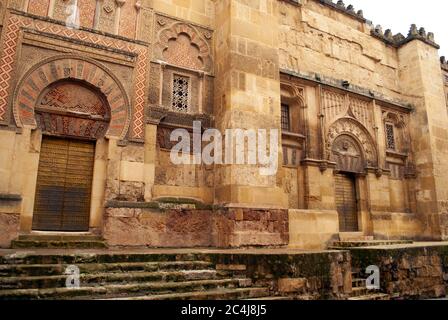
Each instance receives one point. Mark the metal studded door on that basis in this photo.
(346, 203)
(64, 184)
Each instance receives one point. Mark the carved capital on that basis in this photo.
(120, 3)
(138, 5)
(379, 172)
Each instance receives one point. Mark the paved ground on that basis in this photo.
(161, 251)
(410, 245)
(263, 251)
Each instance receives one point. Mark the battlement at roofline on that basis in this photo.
(387, 36)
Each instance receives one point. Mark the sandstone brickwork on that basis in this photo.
(350, 99)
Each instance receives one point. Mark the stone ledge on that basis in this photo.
(338, 84)
(10, 197)
(163, 204)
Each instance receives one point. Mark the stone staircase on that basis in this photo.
(122, 277)
(360, 291)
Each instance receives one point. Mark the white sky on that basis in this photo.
(398, 15)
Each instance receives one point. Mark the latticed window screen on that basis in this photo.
(286, 124)
(390, 136)
(180, 93)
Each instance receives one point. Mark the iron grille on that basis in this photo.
(181, 93)
(390, 136)
(286, 124)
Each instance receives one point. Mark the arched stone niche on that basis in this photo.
(50, 80)
(292, 96)
(350, 146)
(183, 45)
(347, 154)
(399, 122)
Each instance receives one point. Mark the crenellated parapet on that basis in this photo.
(444, 63)
(395, 40)
(398, 39)
(341, 7)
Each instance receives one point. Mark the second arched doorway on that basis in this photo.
(72, 116)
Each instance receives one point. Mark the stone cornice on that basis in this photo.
(349, 88)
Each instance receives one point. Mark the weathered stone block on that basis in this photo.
(292, 285)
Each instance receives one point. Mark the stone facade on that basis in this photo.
(352, 100)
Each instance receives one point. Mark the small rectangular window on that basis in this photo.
(390, 136)
(286, 124)
(181, 87)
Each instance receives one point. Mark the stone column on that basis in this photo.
(421, 81)
(150, 160)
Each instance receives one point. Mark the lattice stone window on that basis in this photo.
(286, 122)
(181, 93)
(390, 136)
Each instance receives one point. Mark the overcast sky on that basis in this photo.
(398, 15)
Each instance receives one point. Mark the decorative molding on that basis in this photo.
(157, 115)
(10, 197)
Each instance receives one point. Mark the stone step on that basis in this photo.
(371, 297)
(59, 237)
(222, 294)
(121, 290)
(97, 258)
(98, 279)
(364, 243)
(56, 244)
(88, 268)
(357, 292)
(354, 236)
(274, 298)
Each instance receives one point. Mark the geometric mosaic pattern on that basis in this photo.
(10, 49)
(138, 132)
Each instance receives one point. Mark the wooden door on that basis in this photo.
(346, 202)
(64, 185)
